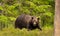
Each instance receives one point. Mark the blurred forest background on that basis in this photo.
(11, 9)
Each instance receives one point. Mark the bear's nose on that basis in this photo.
(34, 23)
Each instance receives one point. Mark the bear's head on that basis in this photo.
(34, 21)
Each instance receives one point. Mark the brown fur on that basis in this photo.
(27, 21)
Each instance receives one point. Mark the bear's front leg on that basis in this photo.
(39, 27)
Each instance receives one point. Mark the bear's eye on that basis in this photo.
(35, 20)
(32, 17)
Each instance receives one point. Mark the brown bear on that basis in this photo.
(27, 21)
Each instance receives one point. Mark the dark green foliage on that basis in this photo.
(11, 9)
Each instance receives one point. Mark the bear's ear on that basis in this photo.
(38, 18)
(32, 17)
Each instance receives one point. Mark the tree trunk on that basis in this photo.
(57, 18)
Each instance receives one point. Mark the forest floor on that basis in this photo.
(46, 31)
